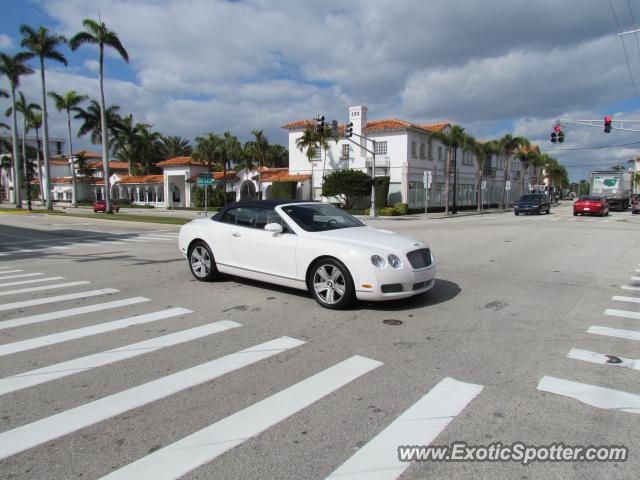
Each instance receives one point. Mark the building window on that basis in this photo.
(345, 151)
(439, 153)
(430, 149)
(413, 150)
(381, 148)
(58, 148)
(422, 150)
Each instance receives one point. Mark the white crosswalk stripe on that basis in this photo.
(44, 287)
(22, 275)
(593, 395)
(614, 332)
(45, 317)
(50, 428)
(419, 425)
(201, 447)
(26, 282)
(626, 299)
(11, 271)
(612, 312)
(593, 357)
(60, 298)
(38, 342)
(64, 369)
(635, 288)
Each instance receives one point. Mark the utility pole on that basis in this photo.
(348, 133)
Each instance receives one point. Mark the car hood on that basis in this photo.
(527, 204)
(383, 240)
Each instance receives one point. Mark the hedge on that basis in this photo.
(283, 190)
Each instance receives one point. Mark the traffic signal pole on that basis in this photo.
(372, 210)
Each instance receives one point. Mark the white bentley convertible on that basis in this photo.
(310, 246)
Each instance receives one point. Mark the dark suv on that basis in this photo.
(533, 203)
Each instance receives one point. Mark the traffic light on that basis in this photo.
(319, 123)
(554, 137)
(334, 128)
(607, 124)
(348, 129)
(560, 136)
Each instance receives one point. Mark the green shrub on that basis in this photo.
(387, 212)
(382, 191)
(401, 208)
(283, 190)
(346, 186)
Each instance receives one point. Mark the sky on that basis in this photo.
(491, 66)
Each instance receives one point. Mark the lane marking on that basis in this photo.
(25, 282)
(190, 452)
(44, 287)
(45, 317)
(63, 423)
(134, 240)
(593, 395)
(60, 298)
(12, 271)
(22, 275)
(82, 364)
(622, 313)
(54, 338)
(614, 332)
(599, 358)
(419, 425)
(630, 287)
(626, 299)
(156, 238)
(635, 278)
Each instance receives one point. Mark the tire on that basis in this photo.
(95, 211)
(575, 214)
(201, 262)
(516, 213)
(548, 211)
(327, 274)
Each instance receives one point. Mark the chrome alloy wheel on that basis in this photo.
(200, 261)
(329, 284)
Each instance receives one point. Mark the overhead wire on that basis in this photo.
(626, 56)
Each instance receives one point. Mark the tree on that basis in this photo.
(278, 156)
(70, 102)
(482, 151)
(175, 146)
(508, 144)
(324, 136)
(14, 67)
(346, 185)
(208, 149)
(259, 148)
(35, 122)
(150, 145)
(97, 33)
(453, 139)
(527, 158)
(231, 150)
(44, 45)
(618, 168)
(92, 123)
(126, 141)
(308, 143)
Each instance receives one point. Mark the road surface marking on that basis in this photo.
(593, 357)
(622, 313)
(164, 239)
(626, 299)
(593, 395)
(12, 271)
(45, 341)
(187, 454)
(82, 364)
(25, 282)
(45, 317)
(631, 287)
(635, 278)
(614, 332)
(55, 426)
(60, 298)
(419, 425)
(20, 250)
(44, 287)
(134, 240)
(22, 275)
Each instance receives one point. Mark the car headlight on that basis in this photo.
(394, 261)
(378, 261)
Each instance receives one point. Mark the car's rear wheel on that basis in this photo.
(331, 285)
(575, 214)
(201, 262)
(516, 213)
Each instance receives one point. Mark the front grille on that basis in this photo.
(421, 285)
(391, 288)
(420, 258)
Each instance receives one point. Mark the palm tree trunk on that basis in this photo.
(17, 194)
(25, 165)
(74, 191)
(45, 136)
(224, 179)
(503, 203)
(105, 136)
(38, 161)
(446, 182)
(481, 192)
(478, 187)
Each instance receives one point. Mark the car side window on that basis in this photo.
(230, 216)
(254, 217)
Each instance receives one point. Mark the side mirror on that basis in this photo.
(273, 227)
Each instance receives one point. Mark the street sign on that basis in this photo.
(427, 178)
(205, 179)
(508, 185)
(484, 185)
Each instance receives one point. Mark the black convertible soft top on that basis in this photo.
(256, 203)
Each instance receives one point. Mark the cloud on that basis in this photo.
(92, 65)
(5, 41)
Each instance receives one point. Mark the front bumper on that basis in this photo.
(390, 284)
(527, 209)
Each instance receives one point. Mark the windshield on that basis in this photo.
(530, 198)
(320, 217)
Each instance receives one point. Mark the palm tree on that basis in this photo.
(150, 144)
(231, 151)
(278, 156)
(14, 67)
(482, 152)
(455, 138)
(98, 34)
(527, 158)
(35, 122)
(174, 146)
(508, 144)
(42, 44)
(324, 136)
(25, 109)
(70, 102)
(259, 147)
(92, 123)
(308, 143)
(126, 141)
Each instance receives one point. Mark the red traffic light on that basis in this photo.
(557, 128)
(607, 124)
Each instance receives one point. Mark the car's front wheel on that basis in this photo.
(201, 262)
(331, 285)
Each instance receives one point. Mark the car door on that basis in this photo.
(257, 250)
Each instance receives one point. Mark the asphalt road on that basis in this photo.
(514, 296)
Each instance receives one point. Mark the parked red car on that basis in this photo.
(591, 205)
(101, 206)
